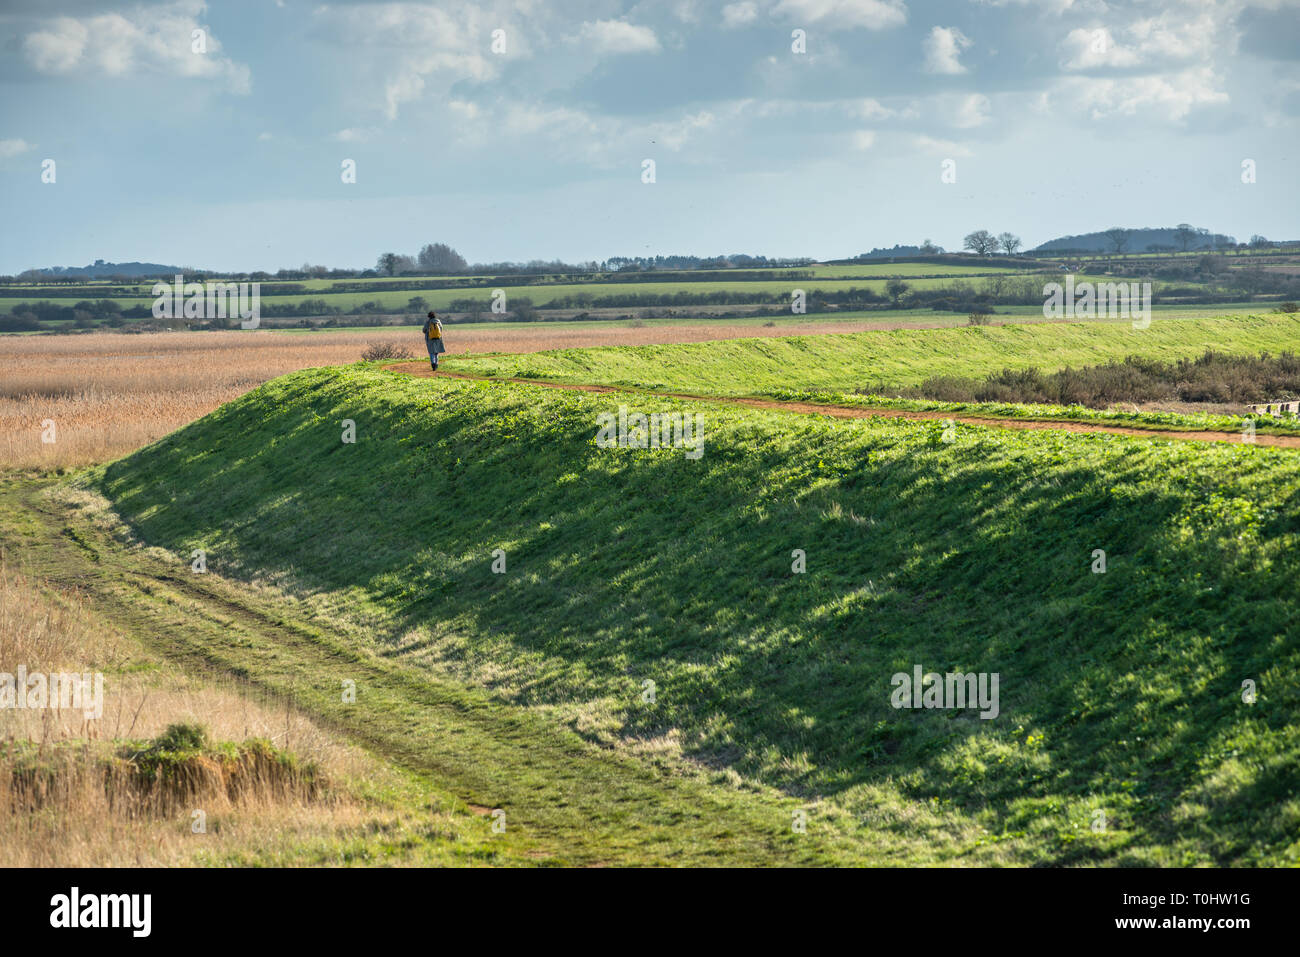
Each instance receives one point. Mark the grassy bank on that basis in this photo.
(900, 357)
(1121, 691)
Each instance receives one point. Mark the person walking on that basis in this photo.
(433, 339)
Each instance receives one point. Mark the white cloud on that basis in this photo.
(466, 109)
(1149, 40)
(739, 14)
(155, 39)
(618, 36)
(1169, 96)
(942, 47)
(1091, 47)
(675, 135)
(57, 49)
(872, 109)
(264, 137)
(10, 148)
(355, 135)
(871, 14)
(1056, 6)
(559, 123)
(972, 110)
(945, 148)
(409, 81)
(864, 139)
(421, 51)
(684, 10)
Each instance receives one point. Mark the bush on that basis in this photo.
(1289, 307)
(1213, 377)
(21, 322)
(978, 317)
(386, 350)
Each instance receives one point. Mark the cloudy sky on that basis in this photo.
(520, 130)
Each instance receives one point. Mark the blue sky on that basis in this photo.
(1061, 116)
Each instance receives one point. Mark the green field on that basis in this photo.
(1121, 692)
(541, 294)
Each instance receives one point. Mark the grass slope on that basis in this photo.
(1120, 692)
(895, 357)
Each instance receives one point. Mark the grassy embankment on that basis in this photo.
(860, 369)
(1120, 692)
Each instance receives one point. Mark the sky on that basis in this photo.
(216, 135)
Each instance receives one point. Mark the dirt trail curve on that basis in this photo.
(860, 412)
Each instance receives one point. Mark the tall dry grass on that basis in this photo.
(86, 816)
(109, 394)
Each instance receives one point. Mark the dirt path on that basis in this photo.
(860, 412)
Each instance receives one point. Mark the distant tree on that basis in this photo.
(981, 242)
(928, 248)
(1184, 235)
(387, 263)
(417, 303)
(440, 257)
(1009, 243)
(896, 288)
(1118, 237)
(1259, 242)
(405, 264)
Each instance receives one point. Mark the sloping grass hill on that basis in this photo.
(1124, 732)
(900, 357)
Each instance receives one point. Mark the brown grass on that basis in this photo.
(92, 810)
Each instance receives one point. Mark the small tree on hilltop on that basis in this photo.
(981, 242)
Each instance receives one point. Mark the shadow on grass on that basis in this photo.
(625, 566)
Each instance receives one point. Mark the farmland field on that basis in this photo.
(664, 292)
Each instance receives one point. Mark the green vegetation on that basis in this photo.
(884, 359)
(1120, 692)
(1210, 378)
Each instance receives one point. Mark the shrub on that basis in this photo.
(386, 350)
(1213, 377)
